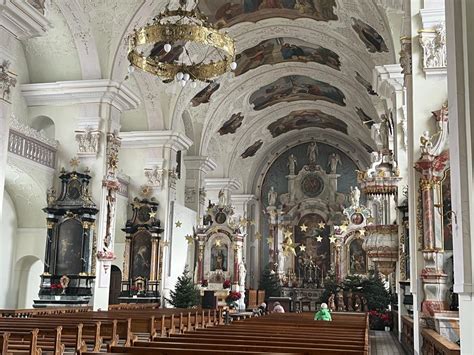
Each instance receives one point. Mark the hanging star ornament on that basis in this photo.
(270, 241)
(243, 222)
(218, 243)
(178, 224)
(343, 228)
(152, 214)
(258, 236)
(288, 234)
(189, 239)
(332, 239)
(321, 225)
(304, 227)
(319, 238)
(289, 246)
(302, 247)
(362, 231)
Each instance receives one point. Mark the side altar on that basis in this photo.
(220, 266)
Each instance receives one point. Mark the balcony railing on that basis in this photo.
(30, 144)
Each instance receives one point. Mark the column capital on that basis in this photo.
(72, 92)
(388, 79)
(155, 139)
(201, 163)
(22, 19)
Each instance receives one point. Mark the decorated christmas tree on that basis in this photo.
(270, 282)
(185, 294)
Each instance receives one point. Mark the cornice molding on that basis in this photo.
(388, 79)
(80, 92)
(22, 19)
(431, 17)
(155, 139)
(242, 199)
(202, 163)
(222, 183)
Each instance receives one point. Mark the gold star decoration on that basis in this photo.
(178, 224)
(189, 239)
(214, 230)
(270, 240)
(370, 220)
(258, 236)
(218, 243)
(319, 238)
(289, 246)
(288, 234)
(136, 204)
(152, 214)
(304, 227)
(362, 231)
(343, 228)
(332, 239)
(243, 222)
(273, 213)
(252, 223)
(165, 243)
(321, 225)
(74, 162)
(302, 247)
(345, 223)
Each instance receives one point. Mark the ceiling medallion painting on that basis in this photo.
(252, 150)
(279, 50)
(364, 118)
(371, 38)
(203, 96)
(295, 88)
(302, 119)
(365, 83)
(367, 147)
(227, 13)
(231, 125)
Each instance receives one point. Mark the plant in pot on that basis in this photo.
(226, 284)
(232, 299)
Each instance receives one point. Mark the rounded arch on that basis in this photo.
(27, 275)
(45, 125)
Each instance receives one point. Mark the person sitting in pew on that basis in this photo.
(323, 313)
(278, 308)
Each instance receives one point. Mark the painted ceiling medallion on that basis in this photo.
(280, 50)
(302, 119)
(204, 96)
(252, 150)
(367, 34)
(296, 88)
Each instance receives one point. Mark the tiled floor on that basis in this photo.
(384, 343)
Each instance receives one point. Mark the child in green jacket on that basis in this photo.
(323, 313)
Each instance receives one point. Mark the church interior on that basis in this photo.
(175, 172)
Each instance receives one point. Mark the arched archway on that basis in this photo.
(8, 225)
(27, 271)
(115, 285)
(45, 125)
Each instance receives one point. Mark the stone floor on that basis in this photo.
(384, 343)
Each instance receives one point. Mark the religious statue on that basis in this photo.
(220, 260)
(355, 196)
(242, 274)
(341, 307)
(222, 201)
(51, 197)
(332, 303)
(365, 306)
(281, 262)
(312, 153)
(350, 306)
(426, 141)
(292, 164)
(272, 196)
(384, 132)
(334, 161)
(357, 303)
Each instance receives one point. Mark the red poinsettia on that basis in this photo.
(226, 284)
(233, 296)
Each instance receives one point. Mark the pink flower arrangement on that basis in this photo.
(226, 284)
(106, 255)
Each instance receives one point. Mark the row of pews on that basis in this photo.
(125, 330)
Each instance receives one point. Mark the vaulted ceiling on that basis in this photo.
(305, 68)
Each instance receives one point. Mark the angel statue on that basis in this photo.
(222, 201)
(384, 132)
(312, 153)
(334, 161)
(355, 196)
(242, 274)
(272, 197)
(292, 164)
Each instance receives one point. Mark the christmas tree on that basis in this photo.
(185, 294)
(270, 282)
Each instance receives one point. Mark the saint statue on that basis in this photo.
(384, 132)
(281, 262)
(355, 196)
(222, 201)
(334, 161)
(312, 153)
(292, 164)
(332, 303)
(242, 274)
(220, 260)
(272, 197)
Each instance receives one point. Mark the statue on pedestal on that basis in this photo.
(272, 197)
(384, 132)
(313, 153)
(334, 161)
(355, 196)
(281, 262)
(292, 164)
(242, 274)
(222, 201)
(341, 307)
(332, 303)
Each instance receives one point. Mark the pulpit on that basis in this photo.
(69, 262)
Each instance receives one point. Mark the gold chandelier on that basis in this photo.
(181, 44)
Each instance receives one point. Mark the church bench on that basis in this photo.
(157, 351)
(128, 306)
(27, 313)
(29, 347)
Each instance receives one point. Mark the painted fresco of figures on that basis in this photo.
(229, 13)
(231, 125)
(295, 88)
(203, 96)
(302, 119)
(371, 38)
(279, 50)
(252, 150)
(219, 257)
(357, 257)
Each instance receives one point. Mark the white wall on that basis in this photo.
(8, 228)
(27, 273)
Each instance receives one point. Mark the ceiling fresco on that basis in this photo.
(367, 147)
(294, 88)
(302, 119)
(365, 83)
(279, 50)
(227, 13)
(252, 150)
(367, 34)
(204, 96)
(364, 118)
(231, 125)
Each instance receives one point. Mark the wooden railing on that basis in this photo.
(407, 334)
(28, 313)
(31, 149)
(132, 306)
(435, 344)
